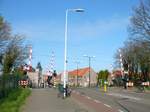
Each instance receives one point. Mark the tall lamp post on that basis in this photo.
(89, 58)
(65, 51)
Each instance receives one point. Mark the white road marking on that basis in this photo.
(88, 97)
(120, 110)
(107, 105)
(97, 101)
(83, 95)
(123, 96)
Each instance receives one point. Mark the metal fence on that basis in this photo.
(7, 84)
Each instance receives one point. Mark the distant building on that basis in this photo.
(55, 80)
(117, 73)
(117, 77)
(82, 77)
(34, 77)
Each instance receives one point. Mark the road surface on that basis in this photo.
(121, 100)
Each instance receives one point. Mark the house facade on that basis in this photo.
(55, 80)
(34, 77)
(80, 77)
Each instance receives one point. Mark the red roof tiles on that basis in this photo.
(117, 72)
(81, 72)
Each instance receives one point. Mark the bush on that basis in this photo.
(14, 100)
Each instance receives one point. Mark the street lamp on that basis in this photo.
(65, 51)
(89, 57)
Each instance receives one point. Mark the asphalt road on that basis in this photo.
(120, 99)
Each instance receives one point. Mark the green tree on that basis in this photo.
(13, 52)
(139, 31)
(136, 50)
(102, 76)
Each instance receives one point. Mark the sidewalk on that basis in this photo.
(46, 100)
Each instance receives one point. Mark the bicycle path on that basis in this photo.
(46, 100)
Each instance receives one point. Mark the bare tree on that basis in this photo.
(13, 51)
(15, 54)
(140, 22)
(4, 35)
(136, 50)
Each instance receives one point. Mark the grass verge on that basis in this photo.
(14, 100)
(148, 88)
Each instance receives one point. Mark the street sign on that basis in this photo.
(23, 82)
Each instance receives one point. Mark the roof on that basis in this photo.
(81, 72)
(117, 72)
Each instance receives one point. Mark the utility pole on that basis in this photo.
(89, 59)
(89, 71)
(77, 62)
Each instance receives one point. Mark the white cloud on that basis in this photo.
(47, 31)
(55, 31)
(100, 28)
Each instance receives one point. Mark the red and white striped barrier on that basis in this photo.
(30, 56)
(146, 83)
(130, 84)
(23, 83)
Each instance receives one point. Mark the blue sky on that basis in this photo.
(99, 31)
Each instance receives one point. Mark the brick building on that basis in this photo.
(80, 77)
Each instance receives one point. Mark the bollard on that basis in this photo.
(54, 82)
(105, 86)
(101, 84)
